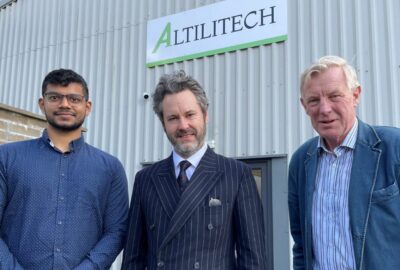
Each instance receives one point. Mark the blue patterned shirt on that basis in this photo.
(332, 239)
(60, 210)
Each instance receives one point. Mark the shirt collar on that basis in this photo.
(73, 145)
(193, 159)
(349, 141)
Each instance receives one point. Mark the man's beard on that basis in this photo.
(188, 149)
(65, 127)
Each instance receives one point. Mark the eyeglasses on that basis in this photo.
(73, 99)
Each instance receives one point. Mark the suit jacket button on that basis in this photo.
(152, 226)
(196, 265)
(160, 264)
(210, 227)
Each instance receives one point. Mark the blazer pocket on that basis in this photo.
(386, 193)
(215, 215)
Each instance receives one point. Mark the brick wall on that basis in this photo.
(18, 125)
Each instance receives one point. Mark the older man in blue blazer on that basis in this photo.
(195, 209)
(344, 198)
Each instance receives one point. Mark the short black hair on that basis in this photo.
(64, 77)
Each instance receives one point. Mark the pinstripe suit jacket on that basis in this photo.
(174, 231)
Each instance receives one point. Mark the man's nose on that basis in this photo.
(183, 123)
(325, 106)
(64, 102)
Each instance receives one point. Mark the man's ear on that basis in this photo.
(303, 103)
(41, 105)
(88, 107)
(356, 96)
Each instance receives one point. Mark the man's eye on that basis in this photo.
(53, 98)
(75, 99)
(312, 101)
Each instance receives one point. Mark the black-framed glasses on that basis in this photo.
(55, 98)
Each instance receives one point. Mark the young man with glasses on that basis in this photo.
(63, 203)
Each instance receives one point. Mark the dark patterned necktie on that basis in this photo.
(182, 177)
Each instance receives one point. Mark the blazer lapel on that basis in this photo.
(362, 181)
(203, 180)
(311, 167)
(166, 186)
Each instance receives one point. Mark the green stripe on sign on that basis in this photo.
(217, 51)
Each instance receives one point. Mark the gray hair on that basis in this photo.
(326, 62)
(174, 83)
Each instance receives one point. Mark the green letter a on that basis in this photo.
(164, 38)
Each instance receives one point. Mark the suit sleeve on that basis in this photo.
(7, 259)
(249, 225)
(136, 245)
(294, 217)
(111, 243)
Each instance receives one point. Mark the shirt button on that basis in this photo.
(160, 264)
(210, 226)
(61, 198)
(196, 265)
(58, 250)
(62, 174)
(59, 222)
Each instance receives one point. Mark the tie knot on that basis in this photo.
(183, 180)
(184, 164)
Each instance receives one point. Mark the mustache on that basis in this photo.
(183, 132)
(64, 111)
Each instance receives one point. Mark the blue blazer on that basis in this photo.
(374, 201)
(219, 211)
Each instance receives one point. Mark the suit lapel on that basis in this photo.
(203, 180)
(362, 181)
(166, 186)
(311, 167)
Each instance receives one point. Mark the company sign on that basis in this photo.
(221, 27)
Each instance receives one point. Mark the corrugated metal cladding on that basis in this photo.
(254, 100)
(254, 108)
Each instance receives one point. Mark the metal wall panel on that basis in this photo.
(254, 96)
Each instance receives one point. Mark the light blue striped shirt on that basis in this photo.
(332, 239)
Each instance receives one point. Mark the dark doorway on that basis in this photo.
(270, 173)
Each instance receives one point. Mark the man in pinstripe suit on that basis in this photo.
(205, 214)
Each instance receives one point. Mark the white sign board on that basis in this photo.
(221, 27)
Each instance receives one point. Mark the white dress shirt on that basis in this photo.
(193, 159)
